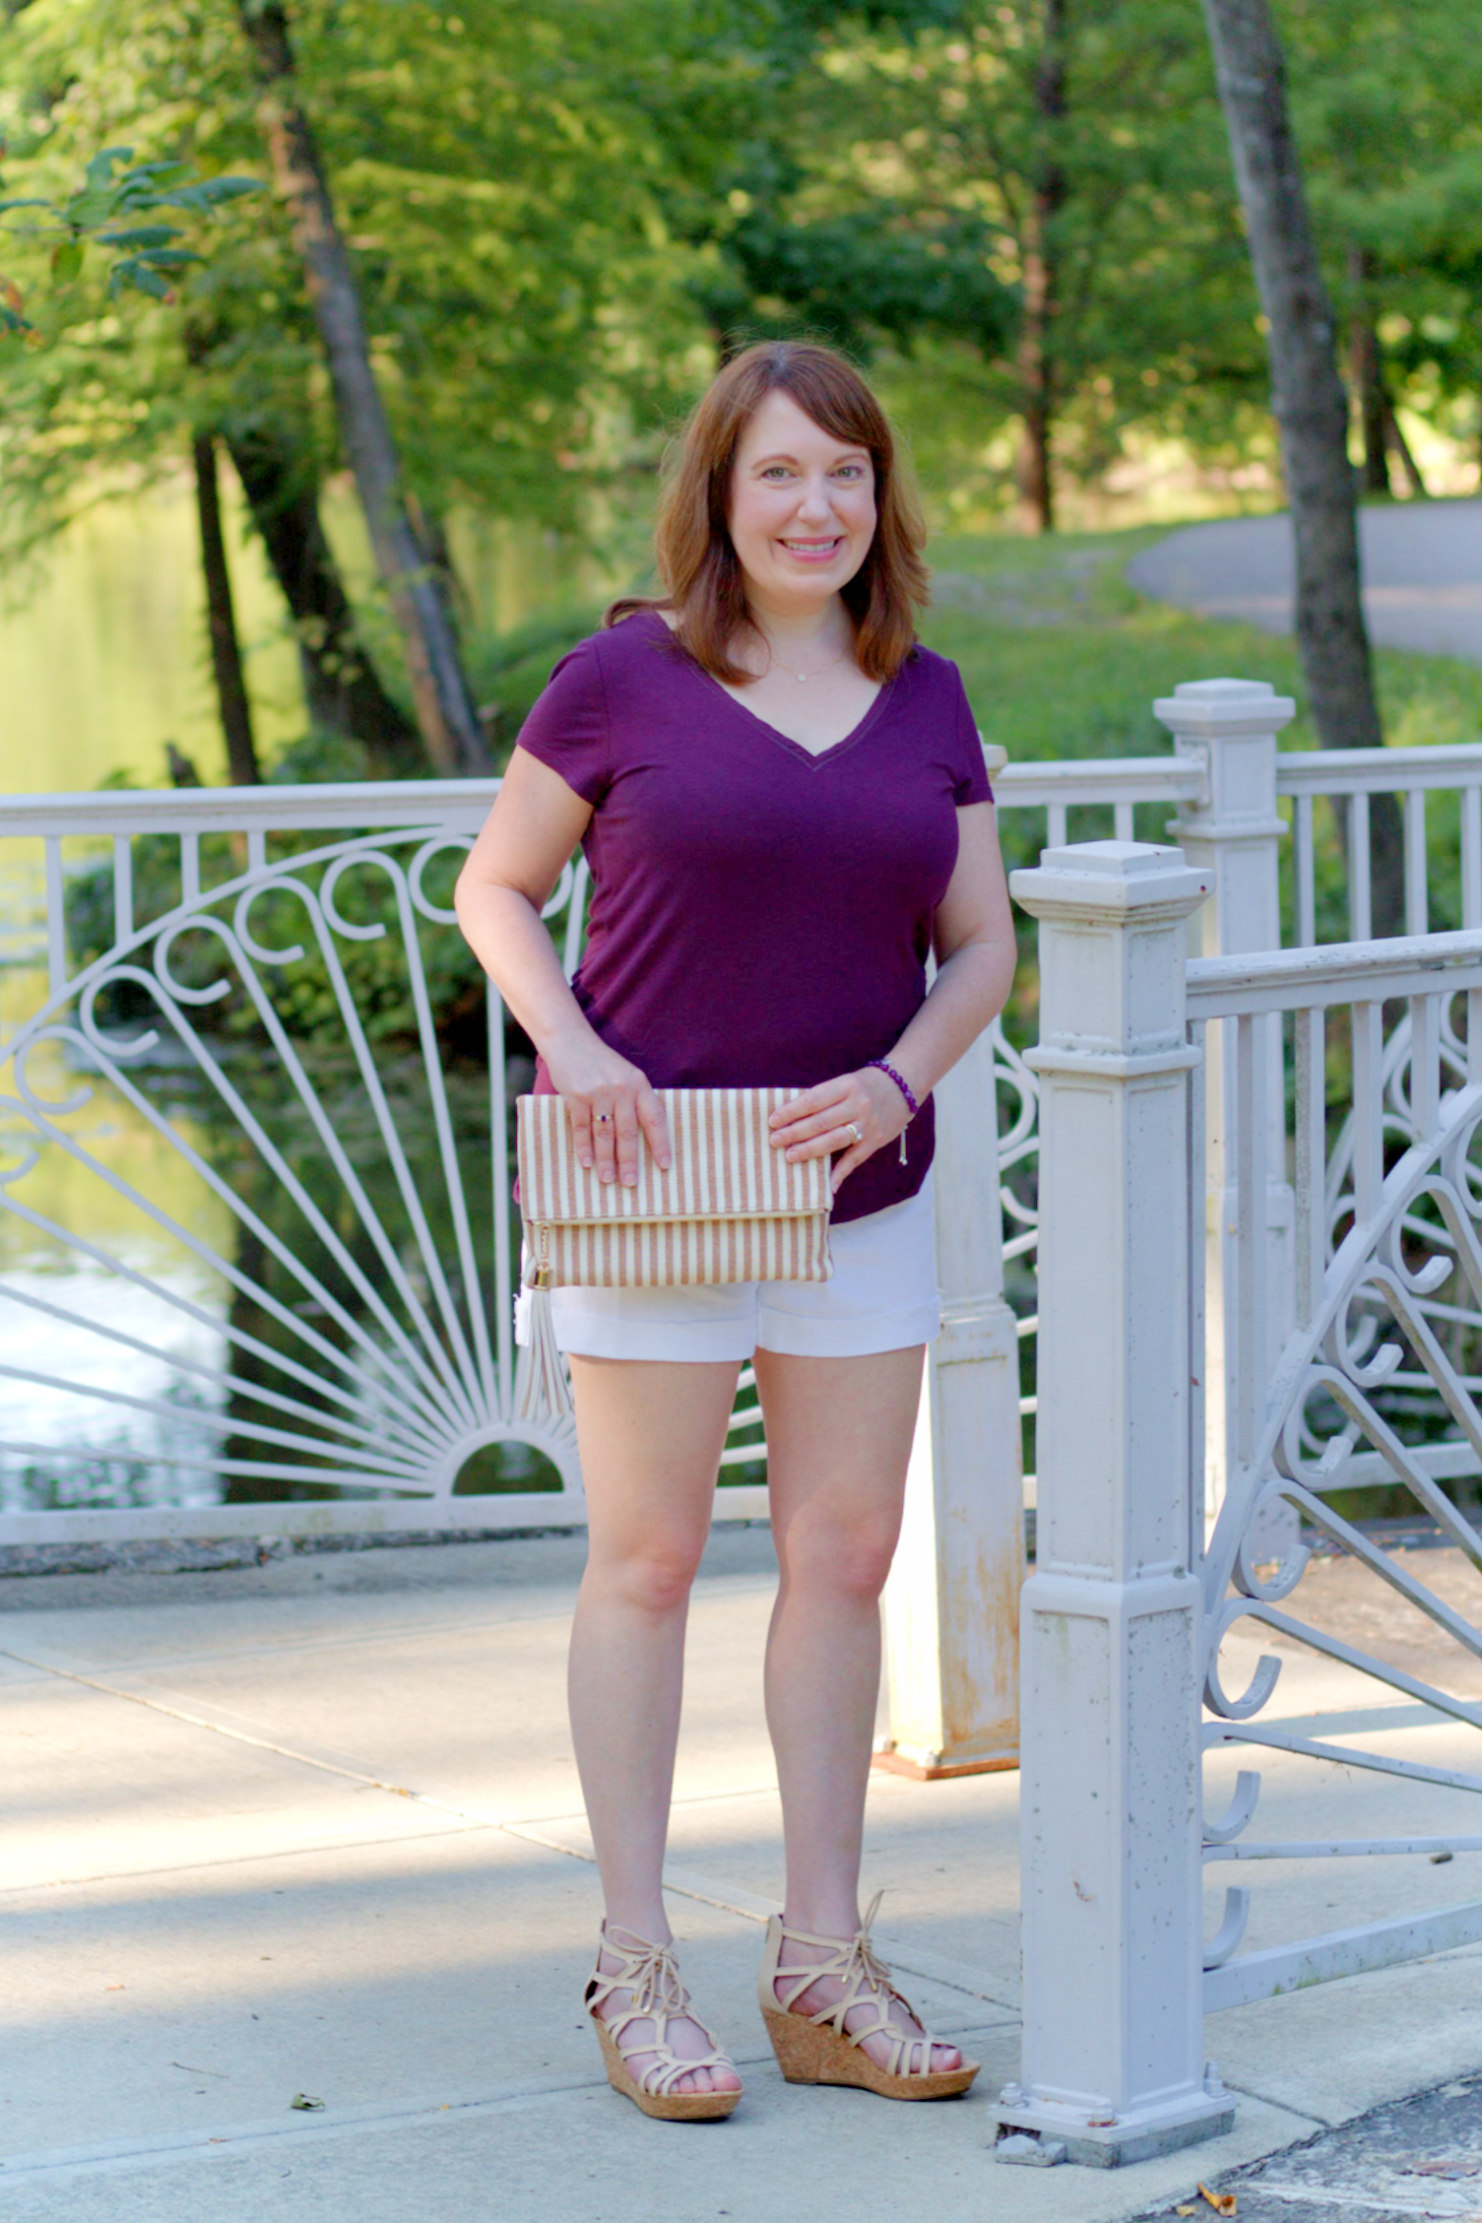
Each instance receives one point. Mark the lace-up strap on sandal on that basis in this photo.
(818, 2048)
(649, 1978)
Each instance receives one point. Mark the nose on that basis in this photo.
(814, 501)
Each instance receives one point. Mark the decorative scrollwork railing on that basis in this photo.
(1380, 1377)
(257, 1238)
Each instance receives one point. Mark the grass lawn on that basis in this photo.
(1063, 659)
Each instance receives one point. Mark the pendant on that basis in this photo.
(801, 678)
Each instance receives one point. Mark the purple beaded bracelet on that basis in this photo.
(884, 1065)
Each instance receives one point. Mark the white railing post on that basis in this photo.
(952, 1602)
(1112, 2050)
(1231, 836)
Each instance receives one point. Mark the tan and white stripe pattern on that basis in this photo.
(729, 1208)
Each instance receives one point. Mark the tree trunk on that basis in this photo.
(1310, 406)
(1035, 469)
(340, 683)
(444, 705)
(1368, 378)
(1400, 447)
(226, 653)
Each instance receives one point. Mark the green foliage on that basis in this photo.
(115, 191)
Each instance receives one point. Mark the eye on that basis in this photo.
(776, 471)
(850, 471)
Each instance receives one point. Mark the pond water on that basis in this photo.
(103, 641)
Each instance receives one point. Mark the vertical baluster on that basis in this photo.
(1311, 1160)
(1199, 1355)
(1122, 821)
(576, 918)
(1252, 1035)
(1368, 1107)
(257, 850)
(123, 888)
(1425, 1063)
(56, 917)
(1055, 830)
(190, 867)
(1306, 868)
(499, 1152)
(1471, 856)
(1417, 892)
(1360, 909)
(1474, 1036)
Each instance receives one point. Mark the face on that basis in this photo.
(802, 511)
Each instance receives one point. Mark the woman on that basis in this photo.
(783, 801)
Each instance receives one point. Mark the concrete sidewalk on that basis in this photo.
(313, 1828)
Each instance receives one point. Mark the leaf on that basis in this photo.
(142, 235)
(66, 261)
(99, 172)
(305, 2103)
(1223, 2203)
(136, 272)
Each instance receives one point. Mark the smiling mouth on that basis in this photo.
(814, 547)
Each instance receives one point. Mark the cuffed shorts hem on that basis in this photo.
(882, 1296)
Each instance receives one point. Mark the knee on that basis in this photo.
(654, 1576)
(850, 1563)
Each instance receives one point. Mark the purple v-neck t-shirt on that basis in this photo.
(759, 915)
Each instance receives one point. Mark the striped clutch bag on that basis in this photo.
(729, 1207)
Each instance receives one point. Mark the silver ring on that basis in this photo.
(854, 1133)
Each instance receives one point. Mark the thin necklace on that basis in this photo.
(774, 664)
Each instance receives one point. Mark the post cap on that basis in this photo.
(1121, 877)
(1202, 707)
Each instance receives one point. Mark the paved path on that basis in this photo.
(1422, 573)
(313, 1827)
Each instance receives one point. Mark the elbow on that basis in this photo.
(463, 895)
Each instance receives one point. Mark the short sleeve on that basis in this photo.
(970, 784)
(568, 725)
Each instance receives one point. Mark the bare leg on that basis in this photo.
(838, 1440)
(651, 1435)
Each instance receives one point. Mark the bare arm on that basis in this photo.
(536, 822)
(975, 969)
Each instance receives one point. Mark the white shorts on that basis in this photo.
(881, 1296)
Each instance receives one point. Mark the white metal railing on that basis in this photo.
(1348, 778)
(228, 1306)
(1378, 1379)
(1349, 1354)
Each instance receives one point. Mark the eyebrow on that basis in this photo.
(844, 455)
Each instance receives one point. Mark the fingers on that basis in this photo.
(820, 1105)
(854, 1156)
(604, 1128)
(656, 1127)
(609, 1125)
(625, 1140)
(579, 1112)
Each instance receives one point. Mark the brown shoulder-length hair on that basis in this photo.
(692, 541)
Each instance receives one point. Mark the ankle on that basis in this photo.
(823, 1916)
(638, 1919)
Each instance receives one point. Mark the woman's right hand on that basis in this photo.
(610, 1104)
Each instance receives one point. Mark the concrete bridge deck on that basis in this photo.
(312, 1827)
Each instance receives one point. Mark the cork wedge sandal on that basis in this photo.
(649, 1974)
(818, 2049)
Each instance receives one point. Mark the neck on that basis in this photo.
(802, 636)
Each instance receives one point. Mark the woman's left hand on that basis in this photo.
(856, 1115)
